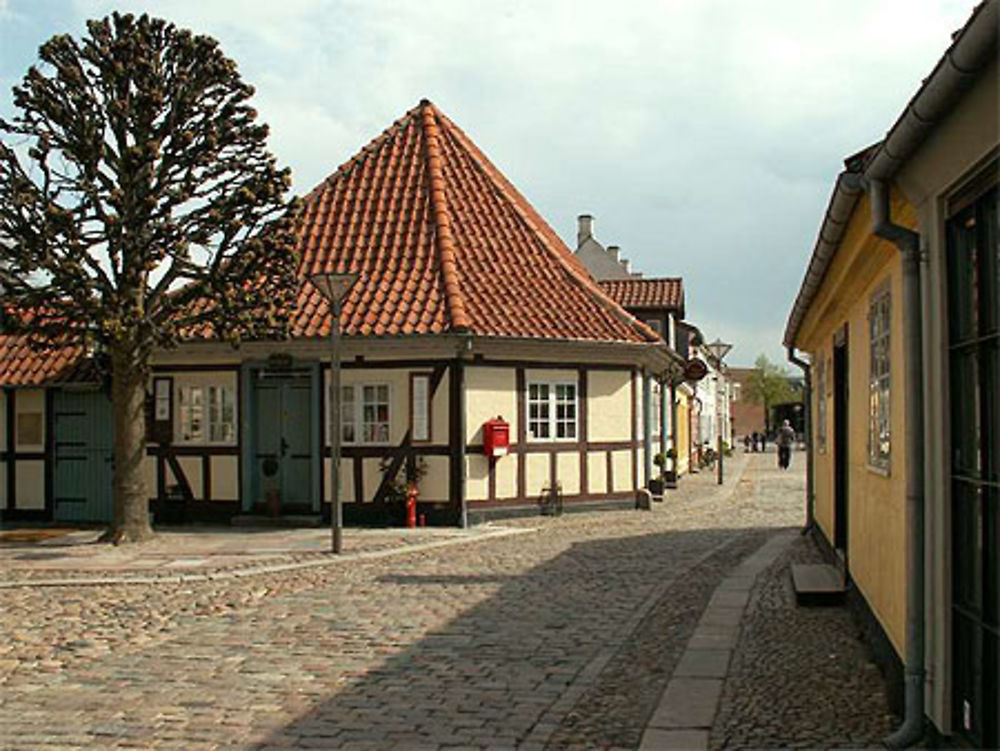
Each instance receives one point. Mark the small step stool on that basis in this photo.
(818, 584)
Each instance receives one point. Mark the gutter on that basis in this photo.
(810, 499)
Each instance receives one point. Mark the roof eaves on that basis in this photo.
(845, 194)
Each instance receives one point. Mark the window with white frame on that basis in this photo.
(552, 411)
(207, 414)
(879, 320)
(420, 407)
(221, 414)
(374, 408)
(364, 413)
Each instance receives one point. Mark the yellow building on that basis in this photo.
(899, 314)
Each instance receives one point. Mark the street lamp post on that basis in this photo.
(718, 350)
(334, 287)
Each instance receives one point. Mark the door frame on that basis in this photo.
(841, 442)
(249, 374)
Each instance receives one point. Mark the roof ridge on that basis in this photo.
(444, 240)
(497, 179)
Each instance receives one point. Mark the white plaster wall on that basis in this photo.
(568, 472)
(489, 392)
(477, 469)
(610, 396)
(434, 485)
(597, 472)
(29, 485)
(506, 471)
(191, 466)
(345, 480)
(536, 474)
(225, 478)
(622, 465)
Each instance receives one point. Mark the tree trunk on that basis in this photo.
(130, 515)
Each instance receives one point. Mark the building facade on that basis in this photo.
(900, 316)
(449, 325)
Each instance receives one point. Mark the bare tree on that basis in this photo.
(140, 206)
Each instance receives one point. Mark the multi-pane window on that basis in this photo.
(348, 410)
(207, 413)
(192, 409)
(539, 411)
(375, 413)
(552, 410)
(879, 319)
(565, 394)
(221, 415)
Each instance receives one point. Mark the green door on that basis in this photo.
(283, 441)
(82, 456)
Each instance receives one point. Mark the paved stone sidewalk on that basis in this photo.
(513, 641)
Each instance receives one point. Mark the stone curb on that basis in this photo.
(684, 716)
(589, 673)
(265, 569)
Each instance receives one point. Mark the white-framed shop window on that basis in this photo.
(552, 411)
(207, 414)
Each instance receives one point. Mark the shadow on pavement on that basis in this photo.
(511, 668)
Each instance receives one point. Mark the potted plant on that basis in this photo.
(656, 483)
(670, 475)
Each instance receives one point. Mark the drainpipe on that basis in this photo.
(908, 243)
(807, 373)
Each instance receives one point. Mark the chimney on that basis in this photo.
(584, 229)
(613, 251)
(627, 264)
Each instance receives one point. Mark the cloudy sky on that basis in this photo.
(703, 135)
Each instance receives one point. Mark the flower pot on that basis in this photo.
(656, 487)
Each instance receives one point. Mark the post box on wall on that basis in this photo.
(496, 437)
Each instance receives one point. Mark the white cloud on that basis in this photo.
(704, 134)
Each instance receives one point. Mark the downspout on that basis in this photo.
(810, 500)
(908, 243)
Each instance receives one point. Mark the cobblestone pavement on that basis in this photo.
(564, 636)
(800, 677)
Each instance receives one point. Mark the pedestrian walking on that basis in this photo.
(786, 437)
(746, 444)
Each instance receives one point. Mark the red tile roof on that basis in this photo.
(21, 365)
(667, 292)
(442, 242)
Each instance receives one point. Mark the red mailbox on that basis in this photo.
(496, 437)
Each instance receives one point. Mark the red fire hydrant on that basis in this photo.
(411, 506)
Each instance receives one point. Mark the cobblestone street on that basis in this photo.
(560, 637)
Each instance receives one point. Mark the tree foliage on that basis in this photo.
(137, 194)
(139, 205)
(768, 385)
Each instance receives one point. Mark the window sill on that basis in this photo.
(875, 469)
